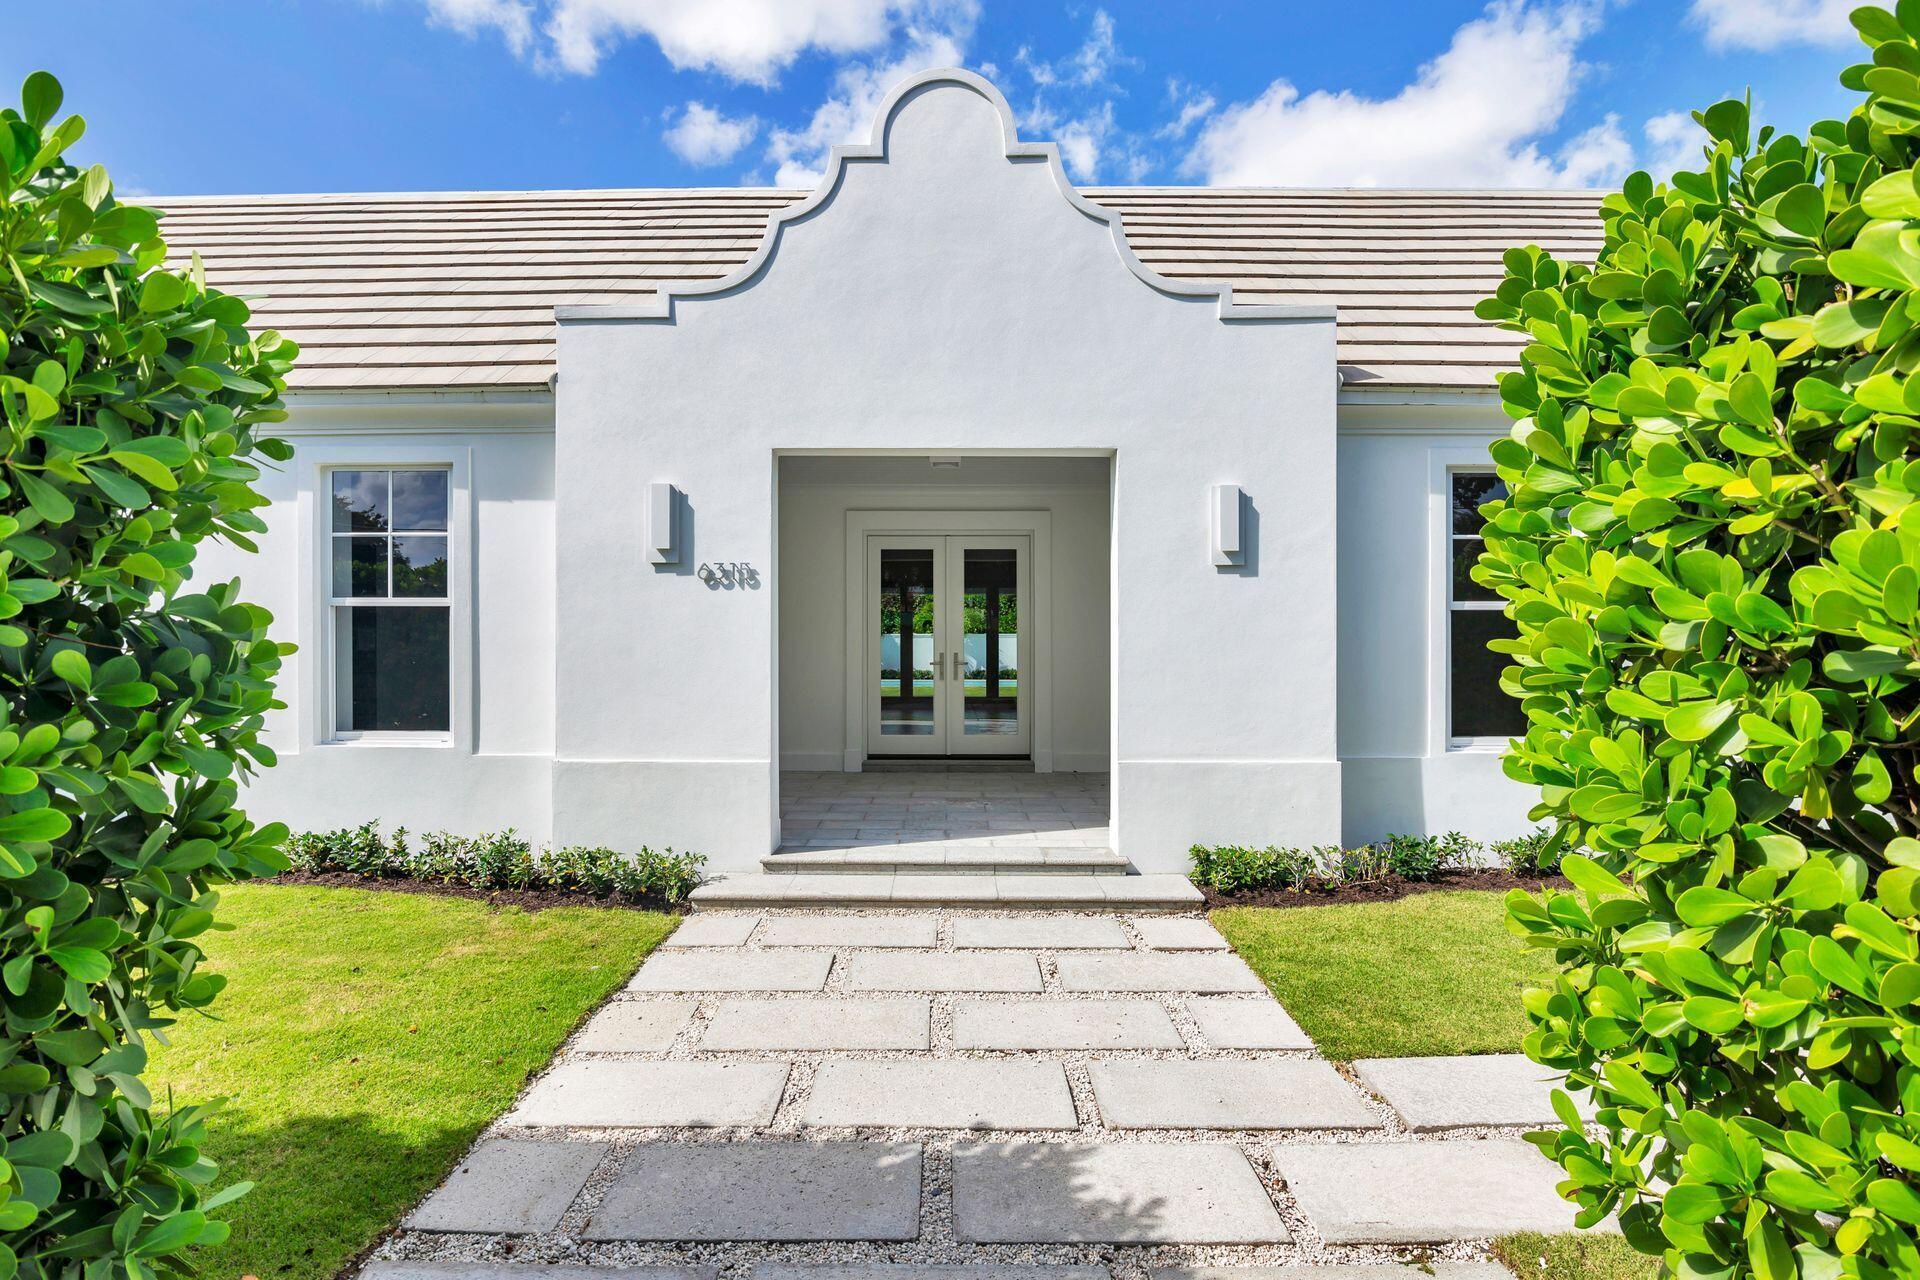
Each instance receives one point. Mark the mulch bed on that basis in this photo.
(1385, 889)
(525, 899)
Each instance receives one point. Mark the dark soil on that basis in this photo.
(525, 899)
(1386, 889)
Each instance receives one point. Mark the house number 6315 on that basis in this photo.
(725, 575)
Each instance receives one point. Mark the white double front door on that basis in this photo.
(945, 664)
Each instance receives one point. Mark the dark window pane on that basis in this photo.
(1465, 552)
(360, 501)
(360, 566)
(419, 499)
(1470, 490)
(391, 669)
(1480, 709)
(420, 567)
(906, 643)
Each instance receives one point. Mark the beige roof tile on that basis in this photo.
(457, 289)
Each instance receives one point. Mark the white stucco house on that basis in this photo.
(630, 516)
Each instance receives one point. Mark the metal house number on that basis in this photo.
(725, 575)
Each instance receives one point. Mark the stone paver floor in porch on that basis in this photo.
(899, 1089)
(957, 807)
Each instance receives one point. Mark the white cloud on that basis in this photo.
(513, 19)
(1477, 115)
(703, 136)
(799, 156)
(1090, 64)
(1673, 143)
(1768, 24)
(749, 41)
(1194, 106)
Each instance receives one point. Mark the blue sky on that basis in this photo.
(362, 95)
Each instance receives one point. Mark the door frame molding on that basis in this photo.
(1035, 525)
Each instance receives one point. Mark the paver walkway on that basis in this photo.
(864, 1096)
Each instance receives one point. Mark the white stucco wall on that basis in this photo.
(1399, 773)
(495, 774)
(947, 292)
(815, 495)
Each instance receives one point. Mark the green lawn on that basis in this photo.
(1532, 1256)
(365, 1037)
(1435, 973)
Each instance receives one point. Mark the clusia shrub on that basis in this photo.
(130, 702)
(1711, 552)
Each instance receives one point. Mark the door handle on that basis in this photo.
(939, 666)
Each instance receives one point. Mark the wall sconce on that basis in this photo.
(663, 523)
(1229, 549)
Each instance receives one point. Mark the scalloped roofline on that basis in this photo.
(660, 307)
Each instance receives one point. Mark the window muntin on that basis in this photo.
(1477, 710)
(389, 594)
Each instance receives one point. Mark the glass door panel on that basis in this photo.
(907, 717)
(990, 643)
(988, 714)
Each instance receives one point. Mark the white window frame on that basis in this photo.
(1444, 465)
(316, 465)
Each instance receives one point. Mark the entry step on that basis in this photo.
(1004, 892)
(935, 859)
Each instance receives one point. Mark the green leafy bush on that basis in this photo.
(1239, 869)
(499, 860)
(133, 399)
(1711, 550)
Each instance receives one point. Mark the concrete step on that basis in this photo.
(934, 859)
(998, 891)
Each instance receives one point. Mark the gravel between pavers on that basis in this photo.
(936, 1243)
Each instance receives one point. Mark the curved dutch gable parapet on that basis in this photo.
(661, 306)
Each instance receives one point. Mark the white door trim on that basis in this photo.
(1037, 623)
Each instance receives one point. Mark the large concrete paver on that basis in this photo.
(622, 1093)
(510, 1187)
(1227, 1093)
(938, 971)
(635, 1026)
(1227, 1023)
(1063, 1024)
(1136, 971)
(928, 1271)
(849, 931)
(941, 1094)
(1188, 1193)
(1178, 933)
(711, 931)
(763, 1191)
(742, 971)
(1431, 1094)
(885, 1022)
(1039, 933)
(1423, 1192)
(527, 1271)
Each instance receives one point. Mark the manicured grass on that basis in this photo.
(1532, 1256)
(1435, 973)
(364, 1038)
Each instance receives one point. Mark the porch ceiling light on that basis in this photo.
(1224, 508)
(663, 522)
(944, 463)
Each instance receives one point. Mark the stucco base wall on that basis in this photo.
(1464, 792)
(720, 808)
(1164, 807)
(421, 789)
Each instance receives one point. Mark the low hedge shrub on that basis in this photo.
(496, 860)
(1233, 868)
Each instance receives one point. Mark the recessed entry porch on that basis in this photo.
(944, 641)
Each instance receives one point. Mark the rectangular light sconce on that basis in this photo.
(663, 546)
(1228, 550)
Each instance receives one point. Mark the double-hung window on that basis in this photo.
(389, 601)
(1477, 711)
